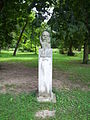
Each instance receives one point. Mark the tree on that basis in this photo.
(82, 10)
(72, 19)
(8, 20)
(20, 38)
(40, 7)
(15, 13)
(1, 4)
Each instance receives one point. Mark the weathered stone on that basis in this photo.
(45, 70)
(43, 98)
(45, 75)
(45, 40)
(45, 113)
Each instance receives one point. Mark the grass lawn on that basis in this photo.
(72, 65)
(70, 105)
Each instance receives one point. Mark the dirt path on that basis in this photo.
(16, 77)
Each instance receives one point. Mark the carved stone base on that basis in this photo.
(47, 98)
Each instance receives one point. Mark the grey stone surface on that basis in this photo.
(45, 75)
(45, 53)
(42, 98)
(45, 113)
(45, 40)
(45, 70)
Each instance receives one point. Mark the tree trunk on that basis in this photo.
(14, 54)
(0, 49)
(79, 48)
(61, 51)
(35, 47)
(70, 53)
(85, 53)
(1, 4)
(89, 49)
(35, 50)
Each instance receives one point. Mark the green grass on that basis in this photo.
(71, 105)
(20, 57)
(29, 59)
(72, 65)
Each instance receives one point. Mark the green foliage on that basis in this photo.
(11, 12)
(13, 17)
(70, 22)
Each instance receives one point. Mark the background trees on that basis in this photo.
(70, 24)
(70, 21)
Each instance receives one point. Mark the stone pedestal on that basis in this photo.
(45, 76)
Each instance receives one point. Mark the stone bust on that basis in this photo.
(45, 40)
(46, 46)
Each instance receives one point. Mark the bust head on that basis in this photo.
(45, 39)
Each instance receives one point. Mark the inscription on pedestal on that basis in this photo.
(45, 53)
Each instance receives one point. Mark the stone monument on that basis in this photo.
(45, 70)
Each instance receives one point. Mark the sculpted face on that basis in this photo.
(46, 37)
(45, 40)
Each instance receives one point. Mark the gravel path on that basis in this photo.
(16, 77)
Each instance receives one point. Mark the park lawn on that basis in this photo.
(77, 71)
(70, 105)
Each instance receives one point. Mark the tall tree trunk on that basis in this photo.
(79, 48)
(1, 4)
(14, 54)
(35, 50)
(35, 46)
(0, 49)
(61, 51)
(89, 49)
(70, 53)
(85, 53)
